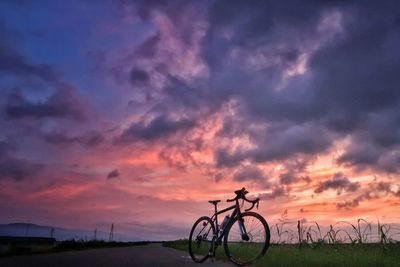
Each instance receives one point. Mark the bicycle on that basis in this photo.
(246, 236)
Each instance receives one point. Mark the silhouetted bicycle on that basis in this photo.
(246, 235)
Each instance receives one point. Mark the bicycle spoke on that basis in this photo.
(242, 250)
(201, 239)
(246, 237)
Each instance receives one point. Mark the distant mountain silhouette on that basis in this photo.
(34, 230)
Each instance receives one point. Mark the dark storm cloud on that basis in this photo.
(293, 170)
(113, 174)
(357, 80)
(249, 173)
(372, 87)
(376, 143)
(148, 48)
(18, 169)
(259, 102)
(360, 154)
(224, 158)
(349, 87)
(158, 128)
(254, 23)
(277, 191)
(89, 139)
(195, 101)
(348, 204)
(14, 63)
(143, 8)
(339, 182)
(374, 190)
(6, 147)
(138, 76)
(62, 104)
(353, 89)
(173, 9)
(12, 167)
(288, 178)
(278, 143)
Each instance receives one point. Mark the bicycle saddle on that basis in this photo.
(214, 201)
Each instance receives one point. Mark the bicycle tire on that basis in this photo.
(197, 253)
(243, 252)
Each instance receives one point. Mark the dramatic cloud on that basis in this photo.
(15, 168)
(139, 76)
(249, 173)
(113, 174)
(18, 169)
(158, 127)
(63, 104)
(374, 190)
(276, 192)
(338, 182)
(89, 139)
(294, 101)
(318, 107)
(6, 147)
(12, 62)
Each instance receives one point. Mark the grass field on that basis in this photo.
(358, 255)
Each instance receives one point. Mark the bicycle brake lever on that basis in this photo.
(252, 206)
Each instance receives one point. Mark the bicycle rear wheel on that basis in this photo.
(201, 239)
(242, 249)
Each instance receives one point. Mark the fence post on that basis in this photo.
(299, 232)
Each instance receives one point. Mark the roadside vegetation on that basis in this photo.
(326, 255)
(303, 244)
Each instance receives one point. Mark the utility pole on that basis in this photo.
(95, 234)
(111, 237)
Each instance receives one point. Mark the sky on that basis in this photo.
(137, 112)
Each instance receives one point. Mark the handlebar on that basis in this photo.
(241, 194)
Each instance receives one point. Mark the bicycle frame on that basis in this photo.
(236, 214)
(206, 229)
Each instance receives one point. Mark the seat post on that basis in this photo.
(214, 202)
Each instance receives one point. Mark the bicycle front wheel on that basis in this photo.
(246, 243)
(201, 239)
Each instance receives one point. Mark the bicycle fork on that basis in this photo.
(243, 231)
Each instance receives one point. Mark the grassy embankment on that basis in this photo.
(360, 255)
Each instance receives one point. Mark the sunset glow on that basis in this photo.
(136, 113)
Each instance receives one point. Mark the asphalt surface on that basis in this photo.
(148, 255)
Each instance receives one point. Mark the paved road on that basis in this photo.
(149, 255)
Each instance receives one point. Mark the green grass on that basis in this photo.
(359, 255)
